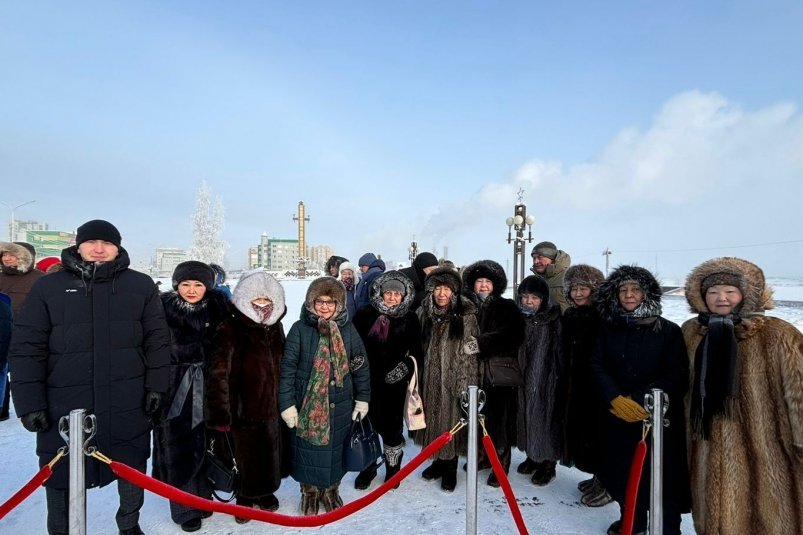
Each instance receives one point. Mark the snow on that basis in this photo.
(418, 506)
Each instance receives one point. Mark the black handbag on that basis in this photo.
(221, 469)
(503, 371)
(362, 447)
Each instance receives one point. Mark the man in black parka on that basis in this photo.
(92, 336)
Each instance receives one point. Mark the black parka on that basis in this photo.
(92, 337)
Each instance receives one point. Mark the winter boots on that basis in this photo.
(544, 473)
(449, 478)
(330, 497)
(586, 484)
(364, 478)
(504, 459)
(595, 495)
(310, 499)
(434, 470)
(269, 502)
(393, 458)
(527, 467)
(245, 502)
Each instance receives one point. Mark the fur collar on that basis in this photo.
(376, 294)
(181, 314)
(608, 294)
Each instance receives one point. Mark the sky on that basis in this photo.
(668, 132)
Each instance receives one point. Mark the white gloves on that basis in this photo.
(471, 347)
(290, 416)
(360, 409)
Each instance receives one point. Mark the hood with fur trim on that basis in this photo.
(608, 293)
(254, 284)
(582, 275)
(376, 294)
(535, 285)
(487, 269)
(23, 254)
(329, 287)
(443, 276)
(756, 295)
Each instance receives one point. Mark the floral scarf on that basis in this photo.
(330, 360)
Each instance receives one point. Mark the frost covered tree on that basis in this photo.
(207, 228)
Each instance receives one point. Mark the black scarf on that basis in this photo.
(716, 372)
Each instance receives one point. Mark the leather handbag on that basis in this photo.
(362, 447)
(413, 406)
(221, 469)
(503, 371)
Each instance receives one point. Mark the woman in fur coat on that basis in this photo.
(638, 350)
(542, 397)
(448, 336)
(243, 387)
(580, 326)
(325, 385)
(745, 404)
(501, 335)
(391, 333)
(193, 311)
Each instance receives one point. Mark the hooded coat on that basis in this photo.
(416, 274)
(376, 266)
(554, 275)
(179, 445)
(242, 387)
(388, 359)
(748, 476)
(635, 353)
(92, 336)
(322, 465)
(17, 282)
(448, 370)
(351, 289)
(542, 399)
(501, 334)
(580, 327)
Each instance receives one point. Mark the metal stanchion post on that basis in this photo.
(657, 402)
(471, 473)
(77, 508)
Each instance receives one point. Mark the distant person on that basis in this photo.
(745, 404)
(92, 336)
(18, 272)
(552, 263)
(333, 265)
(220, 280)
(423, 264)
(49, 264)
(371, 267)
(349, 278)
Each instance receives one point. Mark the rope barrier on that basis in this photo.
(190, 500)
(501, 476)
(37, 481)
(633, 482)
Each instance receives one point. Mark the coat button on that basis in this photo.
(331, 405)
(332, 383)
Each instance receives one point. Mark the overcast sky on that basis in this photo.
(670, 132)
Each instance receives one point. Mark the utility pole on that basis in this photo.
(11, 225)
(607, 254)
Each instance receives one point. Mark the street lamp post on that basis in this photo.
(12, 208)
(519, 222)
(413, 250)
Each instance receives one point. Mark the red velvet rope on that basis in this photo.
(38, 480)
(501, 476)
(633, 481)
(190, 500)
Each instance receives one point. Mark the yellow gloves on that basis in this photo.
(627, 409)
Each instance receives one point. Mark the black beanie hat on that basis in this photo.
(98, 229)
(193, 270)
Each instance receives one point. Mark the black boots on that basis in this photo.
(527, 467)
(393, 458)
(544, 473)
(364, 478)
(445, 469)
(504, 460)
(434, 470)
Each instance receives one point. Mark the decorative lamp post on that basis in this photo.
(519, 222)
(413, 250)
(12, 208)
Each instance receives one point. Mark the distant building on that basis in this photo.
(282, 254)
(253, 257)
(19, 230)
(319, 254)
(47, 242)
(166, 259)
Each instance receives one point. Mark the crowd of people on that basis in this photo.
(565, 365)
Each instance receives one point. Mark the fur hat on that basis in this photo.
(748, 277)
(425, 260)
(485, 269)
(535, 285)
(24, 253)
(582, 275)
(546, 249)
(329, 287)
(393, 280)
(443, 276)
(98, 229)
(255, 284)
(367, 259)
(608, 292)
(193, 270)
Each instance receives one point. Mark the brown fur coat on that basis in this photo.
(748, 478)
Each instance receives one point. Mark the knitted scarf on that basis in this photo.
(716, 372)
(330, 361)
(380, 328)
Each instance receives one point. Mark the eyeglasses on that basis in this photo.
(325, 303)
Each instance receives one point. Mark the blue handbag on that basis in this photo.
(362, 447)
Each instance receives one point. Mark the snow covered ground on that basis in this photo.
(417, 506)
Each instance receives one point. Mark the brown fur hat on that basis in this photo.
(582, 275)
(748, 277)
(328, 287)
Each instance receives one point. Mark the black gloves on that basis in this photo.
(153, 402)
(35, 421)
